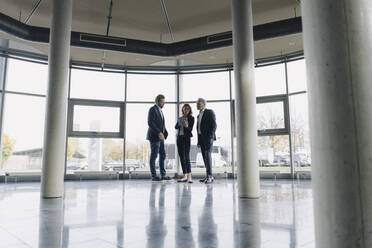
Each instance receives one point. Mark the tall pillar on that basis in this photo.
(56, 106)
(248, 174)
(338, 52)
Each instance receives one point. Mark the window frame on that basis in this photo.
(94, 103)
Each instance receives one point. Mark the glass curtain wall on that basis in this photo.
(94, 143)
(106, 149)
(298, 105)
(141, 92)
(274, 149)
(214, 87)
(23, 116)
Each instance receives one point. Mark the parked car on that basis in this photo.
(130, 165)
(301, 159)
(217, 160)
(263, 162)
(282, 160)
(76, 166)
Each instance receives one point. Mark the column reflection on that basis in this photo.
(248, 224)
(183, 229)
(156, 229)
(207, 236)
(51, 219)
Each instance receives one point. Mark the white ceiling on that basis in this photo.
(144, 20)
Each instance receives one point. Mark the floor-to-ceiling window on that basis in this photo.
(142, 90)
(298, 106)
(108, 116)
(23, 118)
(95, 120)
(282, 117)
(214, 87)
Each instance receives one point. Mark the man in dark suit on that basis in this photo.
(206, 127)
(156, 134)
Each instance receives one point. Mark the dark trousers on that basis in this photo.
(183, 147)
(157, 147)
(206, 150)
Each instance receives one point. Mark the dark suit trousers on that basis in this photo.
(206, 149)
(157, 147)
(183, 147)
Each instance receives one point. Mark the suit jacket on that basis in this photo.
(208, 126)
(187, 131)
(156, 124)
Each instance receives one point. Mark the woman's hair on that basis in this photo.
(184, 106)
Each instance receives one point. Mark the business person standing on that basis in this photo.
(184, 125)
(206, 127)
(156, 134)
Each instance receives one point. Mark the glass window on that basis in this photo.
(96, 119)
(94, 154)
(97, 85)
(300, 131)
(142, 87)
(26, 77)
(273, 153)
(137, 147)
(23, 132)
(270, 115)
(297, 76)
(270, 80)
(210, 86)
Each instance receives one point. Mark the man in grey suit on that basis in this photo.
(206, 127)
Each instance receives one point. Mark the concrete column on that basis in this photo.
(338, 52)
(56, 106)
(248, 174)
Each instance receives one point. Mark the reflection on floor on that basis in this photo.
(143, 214)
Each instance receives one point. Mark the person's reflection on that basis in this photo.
(184, 236)
(156, 230)
(207, 236)
(51, 220)
(248, 233)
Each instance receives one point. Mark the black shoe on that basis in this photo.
(203, 180)
(189, 181)
(183, 180)
(209, 180)
(156, 179)
(165, 178)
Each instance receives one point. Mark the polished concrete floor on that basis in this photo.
(137, 213)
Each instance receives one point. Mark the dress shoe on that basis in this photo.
(203, 180)
(209, 180)
(155, 179)
(165, 178)
(183, 180)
